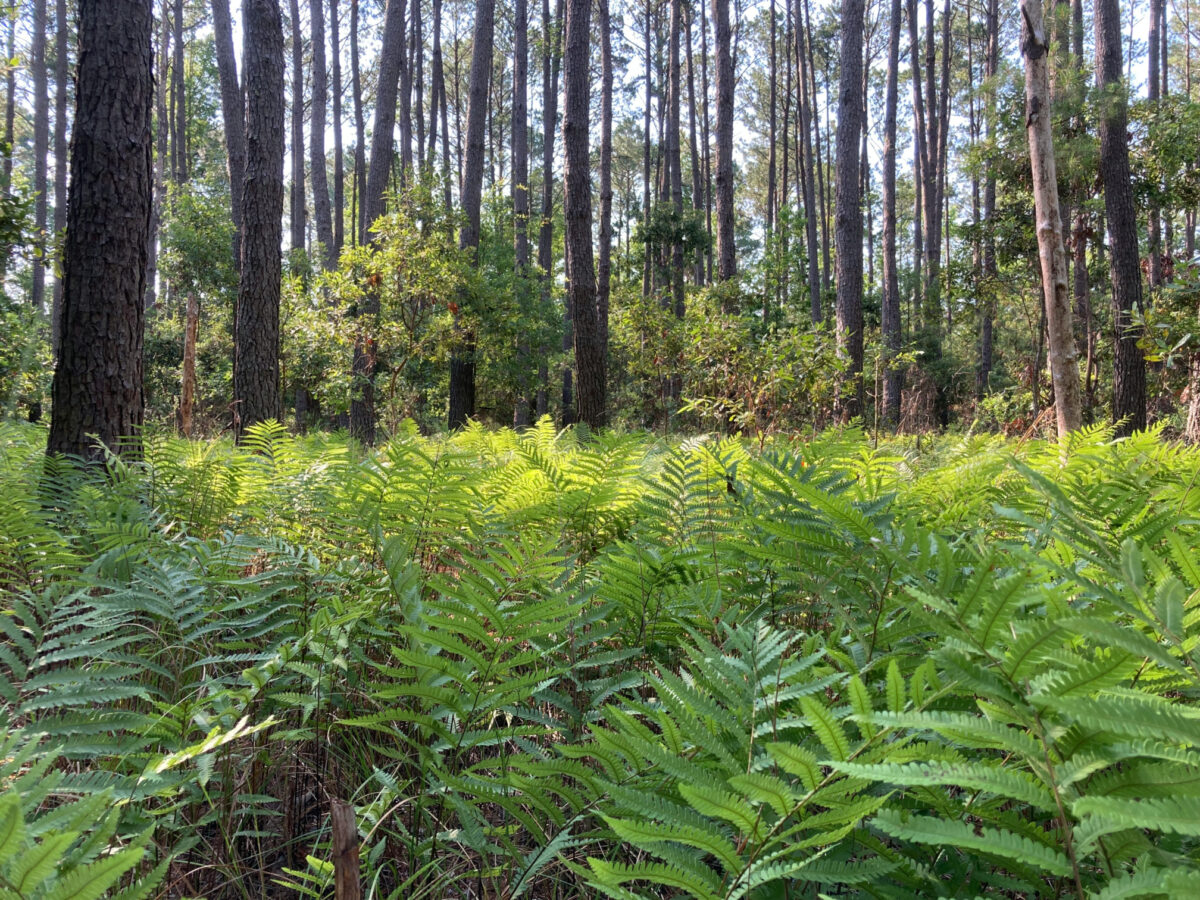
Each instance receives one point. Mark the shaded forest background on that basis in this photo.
(726, 150)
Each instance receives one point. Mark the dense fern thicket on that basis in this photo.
(568, 665)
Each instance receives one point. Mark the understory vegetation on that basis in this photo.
(559, 664)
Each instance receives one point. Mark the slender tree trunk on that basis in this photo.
(339, 157)
(991, 62)
(520, 182)
(10, 97)
(890, 324)
(462, 360)
(1153, 220)
(551, 53)
(362, 394)
(648, 261)
(298, 206)
(438, 90)
(577, 211)
(322, 211)
(675, 160)
(233, 115)
(849, 226)
(726, 252)
(41, 141)
(1129, 367)
(360, 141)
(772, 77)
(1064, 369)
(178, 83)
(808, 171)
(604, 256)
(187, 394)
(256, 385)
(417, 63)
(61, 91)
(708, 182)
(97, 386)
(161, 156)
(697, 186)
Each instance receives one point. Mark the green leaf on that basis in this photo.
(826, 727)
(709, 802)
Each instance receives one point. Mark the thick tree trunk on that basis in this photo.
(298, 206)
(97, 386)
(890, 324)
(322, 211)
(1129, 366)
(577, 213)
(462, 359)
(256, 388)
(41, 141)
(726, 252)
(233, 114)
(1064, 369)
(849, 224)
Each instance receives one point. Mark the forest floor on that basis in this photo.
(552, 664)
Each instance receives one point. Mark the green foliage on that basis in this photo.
(598, 665)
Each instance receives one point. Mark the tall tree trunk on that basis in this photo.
(772, 77)
(416, 63)
(298, 207)
(890, 324)
(97, 387)
(849, 227)
(726, 252)
(256, 387)
(322, 212)
(462, 359)
(648, 261)
(1153, 221)
(991, 63)
(604, 260)
(187, 393)
(360, 141)
(520, 189)
(708, 182)
(577, 214)
(233, 115)
(697, 186)
(1129, 367)
(161, 153)
(61, 91)
(551, 54)
(10, 97)
(362, 367)
(438, 87)
(339, 157)
(675, 160)
(179, 147)
(1064, 369)
(808, 169)
(41, 140)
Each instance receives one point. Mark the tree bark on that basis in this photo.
(97, 387)
(362, 393)
(890, 324)
(298, 206)
(187, 393)
(1153, 222)
(256, 388)
(991, 64)
(161, 153)
(726, 252)
(339, 157)
(675, 162)
(462, 359)
(577, 213)
(179, 147)
(360, 140)
(233, 114)
(808, 169)
(322, 211)
(551, 54)
(1064, 369)
(62, 89)
(1129, 367)
(604, 257)
(849, 224)
(520, 196)
(41, 141)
